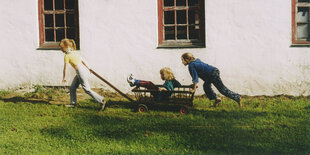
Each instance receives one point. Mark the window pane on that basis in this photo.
(193, 17)
(181, 17)
(192, 2)
(302, 1)
(59, 4)
(48, 4)
(182, 32)
(181, 2)
(49, 20)
(302, 14)
(169, 17)
(70, 4)
(169, 33)
(302, 31)
(71, 33)
(60, 34)
(168, 2)
(49, 34)
(193, 32)
(60, 21)
(70, 20)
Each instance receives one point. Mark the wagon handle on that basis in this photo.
(107, 82)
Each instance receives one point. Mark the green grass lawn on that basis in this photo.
(266, 125)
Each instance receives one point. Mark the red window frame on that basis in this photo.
(295, 10)
(187, 42)
(54, 44)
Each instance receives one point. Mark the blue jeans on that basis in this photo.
(215, 79)
(82, 78)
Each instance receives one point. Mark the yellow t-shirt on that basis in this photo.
(73, 58)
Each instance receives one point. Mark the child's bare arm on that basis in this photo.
(162, 89)
(194, 87)
(64, 73)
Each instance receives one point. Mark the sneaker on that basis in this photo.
(131, 80)
(70, 105)
(217, 102)
(103, 105)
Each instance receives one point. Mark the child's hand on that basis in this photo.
(194, 87)
(162, 89)
(192, 90)
(90, 70)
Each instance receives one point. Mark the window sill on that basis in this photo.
(181, 45)
(300, 45)
(49, 46)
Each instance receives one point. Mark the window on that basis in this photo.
(181, 23)
(58, 19)
(300, 22)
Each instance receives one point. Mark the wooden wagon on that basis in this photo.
(180, 96)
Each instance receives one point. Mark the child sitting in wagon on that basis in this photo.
(159, 94)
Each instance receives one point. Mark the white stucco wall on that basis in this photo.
(249, 41)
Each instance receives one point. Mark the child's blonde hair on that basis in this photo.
(67, 43)
(188, 56)
(167, 73)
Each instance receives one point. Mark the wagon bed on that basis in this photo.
(180, 96)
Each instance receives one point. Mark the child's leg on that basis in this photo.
(209, 91)
(145, 84)
(85, 85)
(75, 84)
(221, 87)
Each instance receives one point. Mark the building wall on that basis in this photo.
(249, 41)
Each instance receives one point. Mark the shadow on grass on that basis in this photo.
(122, 104)
(133, 106)
(213, 131)
(27, 100)
(224, 136)
(91, 104)
(307, 108)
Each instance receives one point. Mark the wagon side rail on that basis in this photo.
(183, 94)
(180, 94)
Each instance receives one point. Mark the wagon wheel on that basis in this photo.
(184, 110)
(142, 108)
